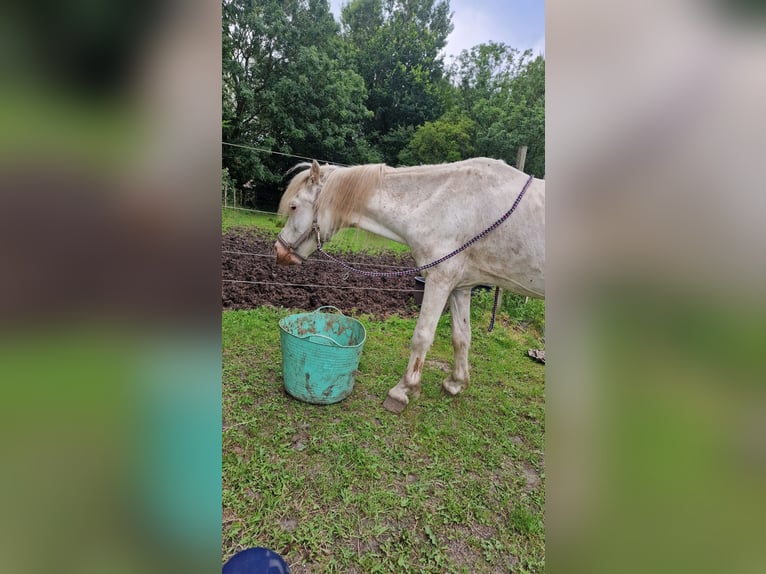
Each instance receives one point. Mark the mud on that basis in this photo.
(251, 278)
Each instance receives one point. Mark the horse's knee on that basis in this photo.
(421, 340)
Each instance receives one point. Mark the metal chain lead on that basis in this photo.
(494, 310)
(414, 270)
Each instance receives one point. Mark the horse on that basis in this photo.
(435, 210)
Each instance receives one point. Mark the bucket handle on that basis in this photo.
(311, 335)
(333, 341)
(329, 307)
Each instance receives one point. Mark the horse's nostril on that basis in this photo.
(285, 256)
(281, 252)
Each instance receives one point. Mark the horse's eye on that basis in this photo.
(293, 207)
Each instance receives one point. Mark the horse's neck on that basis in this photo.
(389, 212)
(371, 224)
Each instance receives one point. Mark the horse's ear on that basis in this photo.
(314, 174)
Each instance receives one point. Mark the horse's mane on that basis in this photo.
(345, 191)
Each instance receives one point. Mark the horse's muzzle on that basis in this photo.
(286, 256)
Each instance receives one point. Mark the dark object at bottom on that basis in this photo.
(256, 561)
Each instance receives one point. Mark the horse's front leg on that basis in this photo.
(434, 298)
(460, 317)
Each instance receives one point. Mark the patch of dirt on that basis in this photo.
(288, 524)
(460, 552)
(251, 278)
(441, 365)
(229, 516)
(531, 477)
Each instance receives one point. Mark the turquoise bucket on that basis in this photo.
(320, 355)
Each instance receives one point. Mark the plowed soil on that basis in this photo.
(251, 278)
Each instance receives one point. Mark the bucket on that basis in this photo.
(320, 355)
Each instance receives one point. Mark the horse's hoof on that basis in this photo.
(393, 405)
(453, 388)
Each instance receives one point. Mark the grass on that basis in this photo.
(232, 218)
(450, 485)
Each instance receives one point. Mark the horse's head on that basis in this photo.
(298, 238)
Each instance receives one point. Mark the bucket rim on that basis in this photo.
(317, 312)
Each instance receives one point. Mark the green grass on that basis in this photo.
(240, 219)
(453, 484)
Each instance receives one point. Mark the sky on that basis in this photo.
(518, 23)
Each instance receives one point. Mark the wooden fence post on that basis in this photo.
(521, 157)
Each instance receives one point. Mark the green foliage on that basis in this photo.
(503, 91)
(450, 138)
(526, 115)
(527, 313)
(486, 70)
(396, 46)
(287, 86)
(372, 88)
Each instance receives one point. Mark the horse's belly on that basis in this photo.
(524, 275)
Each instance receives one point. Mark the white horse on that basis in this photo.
(434, 209)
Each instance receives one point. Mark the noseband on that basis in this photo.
(292, 246)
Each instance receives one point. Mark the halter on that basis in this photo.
(301, 238)
(291, 246)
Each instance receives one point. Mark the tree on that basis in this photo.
(287, 87)
(526, 117)
(486, 70)
(450, 138)
(396, 48)
(503, 91)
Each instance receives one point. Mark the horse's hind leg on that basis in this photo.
(460, 316)
(434, 298)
